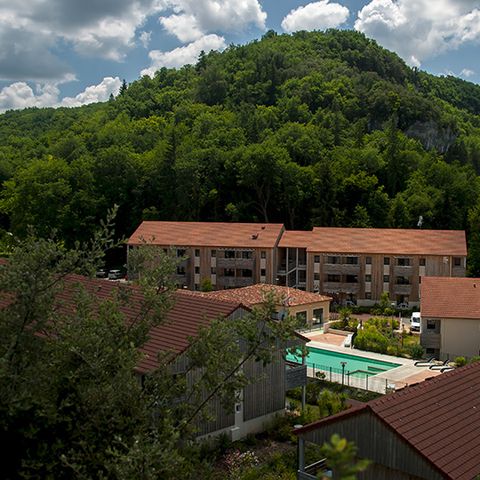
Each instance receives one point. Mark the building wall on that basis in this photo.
(392, 457)
(365, 281)
(460, 338)
(309, 309)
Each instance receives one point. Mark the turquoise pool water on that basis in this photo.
(354, 365)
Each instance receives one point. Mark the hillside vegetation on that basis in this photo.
(307, 129)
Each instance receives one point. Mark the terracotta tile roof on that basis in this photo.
(208, 234)
(440, 418)
(183, 321)
(296, 239)
(388, 241)
(256, 294)
(450, 297)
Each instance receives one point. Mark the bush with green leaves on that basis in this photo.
(370, 339)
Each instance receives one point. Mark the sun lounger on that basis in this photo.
(446, 369)
(425, 363)
(439, 367)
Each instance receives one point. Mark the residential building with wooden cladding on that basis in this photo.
(427, 431)
(348, 264)
(312, 309)
(359, 264)
(450, 317)
(259, 401)
(230, 255)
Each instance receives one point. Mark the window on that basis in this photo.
(386, 278)
(213, 253)
(302, 276)
(368, 295)
(431, 324)
(402, 281)
(333, 260)
(228, 272)
(368, 278)
(318, 315)
(316, 276)
(386, 260)
(197, 269)
(352, 261)
(368, 260)
(180, 270)
(403, 262)
(197, 252)
(246, 272)
(422, 262)
(263, 254)
(229, 253)
(333, 278)
(180, 252)
(430, 350)
(457, 262)
(351, 278)
(247, 255)
(213, 270)
(263, 272)
(316, 259)
(196, 286)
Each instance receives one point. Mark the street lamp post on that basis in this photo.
(343, 371)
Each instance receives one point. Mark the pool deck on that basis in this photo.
(405, 374)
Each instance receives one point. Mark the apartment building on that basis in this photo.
(359, 264)
(450, 325)
(230, 255)
(348, 264)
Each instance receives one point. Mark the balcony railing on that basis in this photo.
(235, 263)
(234, 281)
(341, 287)
(345, 269)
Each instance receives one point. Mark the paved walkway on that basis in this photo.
(405, 374)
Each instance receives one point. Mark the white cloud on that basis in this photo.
(145, 38)
(95, 93)
(30, 30)
(20, 95)
(183, 55)
(467, 73)
(183, 26)
(420, 29)
(194, 18)
(315, 16)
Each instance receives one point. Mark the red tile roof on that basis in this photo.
(296, 239)
(256, 294)
(208, 234)
(183, 321)
(450, 297)
(388, 241)
(440, 418)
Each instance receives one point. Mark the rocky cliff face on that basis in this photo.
(432, 135)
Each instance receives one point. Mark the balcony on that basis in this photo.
(234, 282)
(402, 289)
(430, 339)
(341, 268)
(235, 263)
(341, 287)
(402, 271)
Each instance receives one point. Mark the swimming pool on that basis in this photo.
(355, 365)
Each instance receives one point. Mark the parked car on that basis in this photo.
(101, 273)
(115, 275)
(403, 306)
(415, 321)
(350, 303)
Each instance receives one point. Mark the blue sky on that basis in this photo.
(71, 52)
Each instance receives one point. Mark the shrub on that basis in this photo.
(475, 358)
(416, 351)
(370, 339)
(460, 361)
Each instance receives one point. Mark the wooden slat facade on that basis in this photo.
(392, 457)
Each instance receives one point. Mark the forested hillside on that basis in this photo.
(307, 129)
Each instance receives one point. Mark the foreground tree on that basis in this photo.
(71, 404)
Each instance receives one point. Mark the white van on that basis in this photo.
(415, 321)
